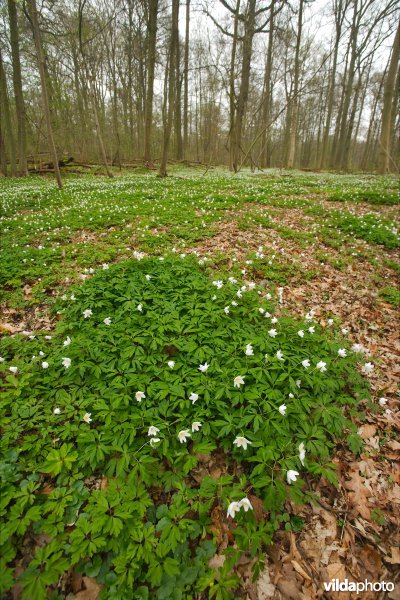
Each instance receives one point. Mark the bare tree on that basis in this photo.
(43, 80)
(390, 97)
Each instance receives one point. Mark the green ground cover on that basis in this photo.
(163, 360)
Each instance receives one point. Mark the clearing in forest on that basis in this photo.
(199, 378)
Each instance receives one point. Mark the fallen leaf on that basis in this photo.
(92, 590)
(265, 588)
(337, 571)
(300, 570)
(395, 558)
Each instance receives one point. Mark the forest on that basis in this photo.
(308, 84)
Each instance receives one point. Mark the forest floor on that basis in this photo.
(330, 241)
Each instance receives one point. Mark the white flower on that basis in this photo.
(239, 294)
(358, 348)
(86, 417)
(105, 266)
(148, 277)
(107, 321)
(87, 313)
(138, 255)
(345, 331)
(279, 355)
(57, 411)
(241, 442)
(234, 303)
(246, 504)
(2, 359)
(291, 395)
(139, 396)
(140, 308)
(300, 333)
(66, 362)
(193, 397)
(14, 370)
(330, 321)
(298, 382)
(233, 508)
(311, 329)
(47, 337)
(249, 350)
(182, 435)
(268, 296)
(196, 426)
(272, 332)
(274, 320)
(232, 279)
(67, 341)
(204, 368)
(321, 365)
(302, 453)
(342, 352)
(261, 310)
(291, 476)
(382, 401)
(310, 315)
(238, 381)
(73, 297)
(218, 284)
(267, 315)
(154, 441)
(152, 430)
(282, 409)
(226, 310)
(41, 353)
(367, 368)
(171, 364)
(305, 363)
(45, 365)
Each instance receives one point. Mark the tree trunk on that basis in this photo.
(186, 83)
(339, 15)
(267, 102)
(232, 94)
(151, 61)
(17, 81)
(294, 104)
(43, 81)
(178, 106)
(389, 95)
(244, 82)
(174, 40)
(9, 140)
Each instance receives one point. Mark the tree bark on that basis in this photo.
(174, 40)
(267, 101)
(151, 61)
(186, 83)
(9, 140)
(17, 82)
(43, 81)
(294, 101)
(389, 96)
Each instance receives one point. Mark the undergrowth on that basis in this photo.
(162, 402)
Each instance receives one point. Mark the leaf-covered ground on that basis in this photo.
(329, 242)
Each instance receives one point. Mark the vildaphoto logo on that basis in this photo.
(335, 585)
